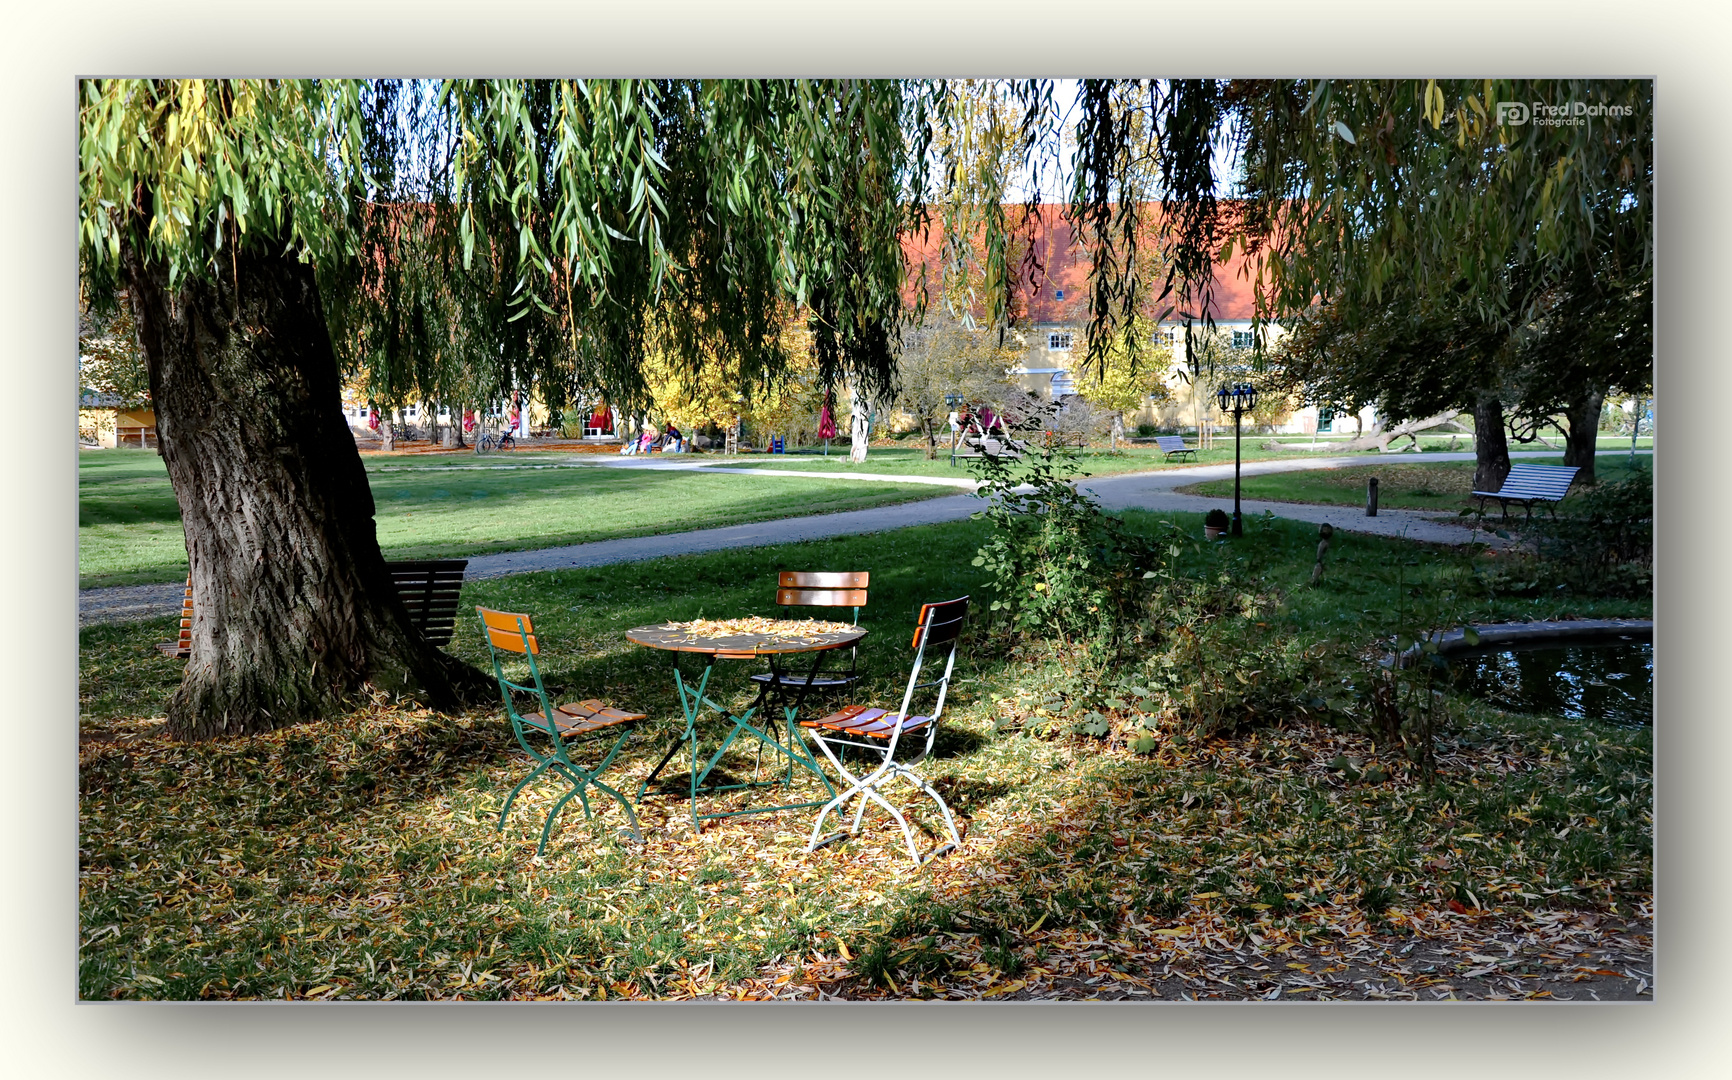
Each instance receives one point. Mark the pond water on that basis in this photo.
(1613, 682)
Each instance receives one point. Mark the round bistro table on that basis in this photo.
(777, 641)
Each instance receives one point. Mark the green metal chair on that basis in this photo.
(878, 732)
(512, 632)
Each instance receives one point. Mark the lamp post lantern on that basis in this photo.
(1239, 397)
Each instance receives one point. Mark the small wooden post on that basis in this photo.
(1324, 533)
(1371, 497)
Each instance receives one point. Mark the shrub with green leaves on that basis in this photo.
(1062, 567)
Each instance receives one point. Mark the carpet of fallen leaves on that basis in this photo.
(358, 859)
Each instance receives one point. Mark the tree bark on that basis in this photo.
(387, 435)
(1490, 444)
(931, 438)
(294, 612)
(859, 428)
(1584, 434)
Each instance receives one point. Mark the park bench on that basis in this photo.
(181, 647)
(428, 589)
(1174, 444)
(1529, 484)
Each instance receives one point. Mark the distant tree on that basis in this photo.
(1119, 385)
(943, 358)
(110, 360)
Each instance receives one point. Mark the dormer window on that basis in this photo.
(1058, 294)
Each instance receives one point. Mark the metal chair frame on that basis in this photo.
(938, 624)
(515, 632)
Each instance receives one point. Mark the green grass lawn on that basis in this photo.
(358, 858)
(446, 505)
(1402, 484)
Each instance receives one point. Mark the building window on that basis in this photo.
(1057, 342)
(1058, 293)
(411, 412)
(444, 412)
(1243, 339)
(1168, 336)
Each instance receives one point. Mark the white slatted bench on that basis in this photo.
(1173, 444)
(1529, 484)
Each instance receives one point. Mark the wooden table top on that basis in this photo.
(768, 637)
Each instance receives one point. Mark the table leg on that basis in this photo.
(693, 700)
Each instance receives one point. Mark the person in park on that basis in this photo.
(463, 236)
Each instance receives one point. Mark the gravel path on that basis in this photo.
(1147, 491)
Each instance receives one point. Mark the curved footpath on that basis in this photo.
(1144, 491)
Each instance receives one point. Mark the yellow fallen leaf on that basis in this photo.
(1005, 988)
(319, 989)
(1173, 931)
(1038, 921)
(842, 946)
(1205, 896)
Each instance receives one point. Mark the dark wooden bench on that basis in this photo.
(428, 589)
(181, 647)
(1529, 484)
(1173, 444)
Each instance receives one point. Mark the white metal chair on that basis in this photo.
(880, 733)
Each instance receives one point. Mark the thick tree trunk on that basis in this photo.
(1490, 444)
(294, 612)
(1584, 434)
(387, 435)
(931, 438)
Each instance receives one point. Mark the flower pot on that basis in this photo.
(1211, 532)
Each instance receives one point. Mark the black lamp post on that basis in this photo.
(1238, 397)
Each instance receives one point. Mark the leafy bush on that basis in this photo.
(1061, 566)
(1217, 519)
(1147, 430)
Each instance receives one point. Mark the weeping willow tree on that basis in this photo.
(574, 222)
(463, 239)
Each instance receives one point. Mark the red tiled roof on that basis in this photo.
(1065, 266)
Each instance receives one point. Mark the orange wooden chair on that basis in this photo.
(512, 632)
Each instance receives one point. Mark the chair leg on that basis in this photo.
(509, 799)
(949, 821)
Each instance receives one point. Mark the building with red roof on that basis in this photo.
(1050, 311)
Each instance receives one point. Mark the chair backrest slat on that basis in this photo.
(821, 597)
(503, 633)
(940, 622)
(798, 579)
(1171, 442)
